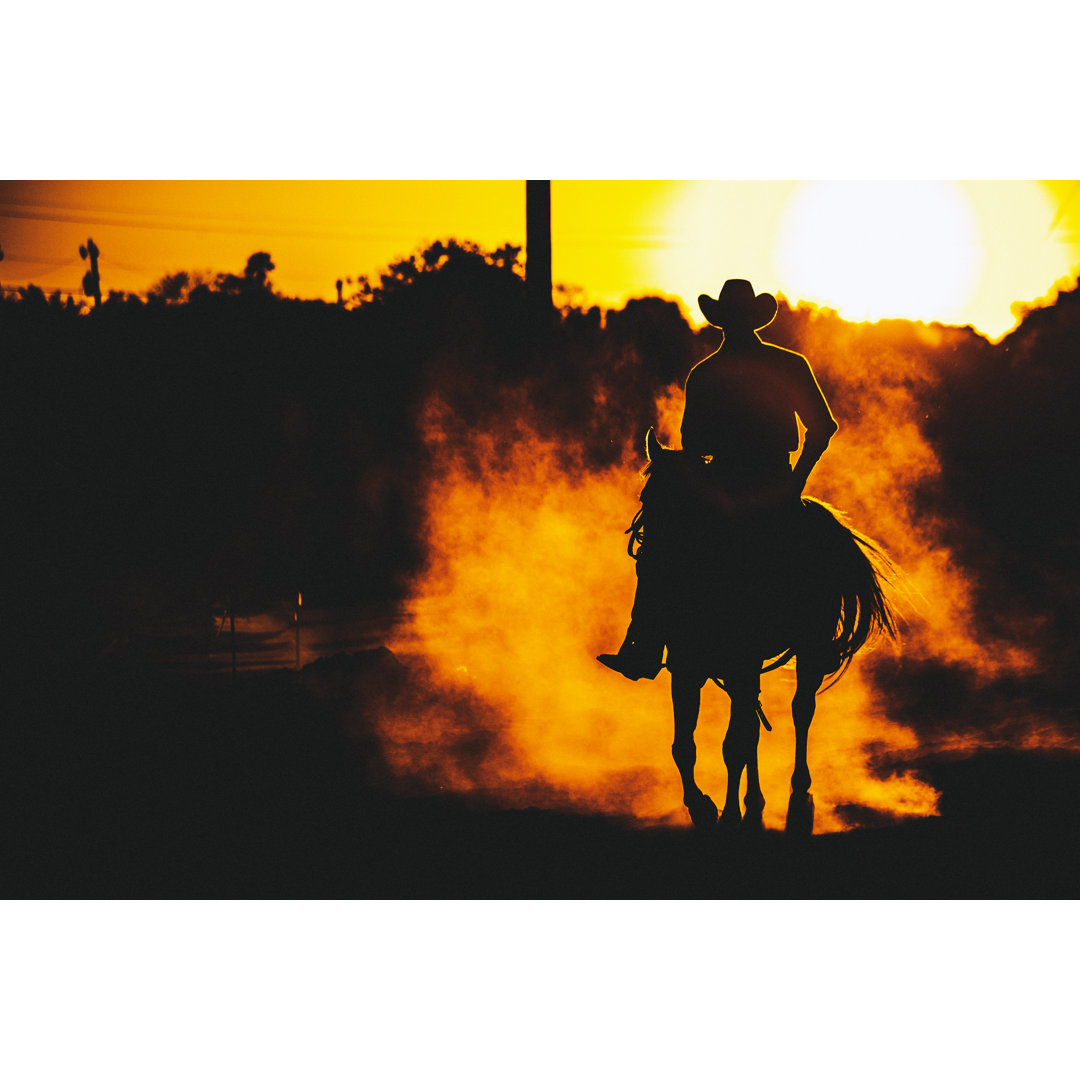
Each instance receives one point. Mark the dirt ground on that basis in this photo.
(127, 781)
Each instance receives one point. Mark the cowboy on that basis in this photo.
(740, 418)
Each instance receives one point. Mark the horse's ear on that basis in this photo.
(652, 445)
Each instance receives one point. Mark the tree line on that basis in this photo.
(223, 438)
(220, 438)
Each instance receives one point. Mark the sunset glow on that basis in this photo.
(955, 252)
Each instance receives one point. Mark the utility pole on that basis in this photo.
(538, 256)
(296, 622)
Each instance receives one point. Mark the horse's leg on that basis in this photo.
(686, 705)
(740, 746)
(754, 800)
(810, 674)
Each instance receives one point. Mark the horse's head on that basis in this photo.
(654, 448)
(679, 476)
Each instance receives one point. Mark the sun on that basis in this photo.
(962, 252)
(875, 250)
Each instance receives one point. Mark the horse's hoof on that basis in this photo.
(754, 813)
(703, 812)
(730, 821)
(800, 815)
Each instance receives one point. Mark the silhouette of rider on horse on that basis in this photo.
(738, 430)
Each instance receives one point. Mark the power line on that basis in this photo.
(93, 218)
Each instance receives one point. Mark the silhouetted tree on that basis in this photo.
(257, 271)
(118, 298)
(255, 279)
(33, 295)
(462, 258)
(171, 288)
(656, 334)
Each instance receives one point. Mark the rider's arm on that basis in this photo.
(820, 424)
(693, 421)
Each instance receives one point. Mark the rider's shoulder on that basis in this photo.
(782, 355)
(716, 363)
(702, 368)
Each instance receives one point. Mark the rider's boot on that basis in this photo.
(639, 656)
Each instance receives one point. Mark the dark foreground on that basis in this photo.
(126, 782)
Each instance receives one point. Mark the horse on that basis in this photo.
(742, 585)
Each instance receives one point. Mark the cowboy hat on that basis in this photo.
(738, 306)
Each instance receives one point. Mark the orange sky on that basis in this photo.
(961, 252)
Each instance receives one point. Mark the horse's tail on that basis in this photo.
(860, 576)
